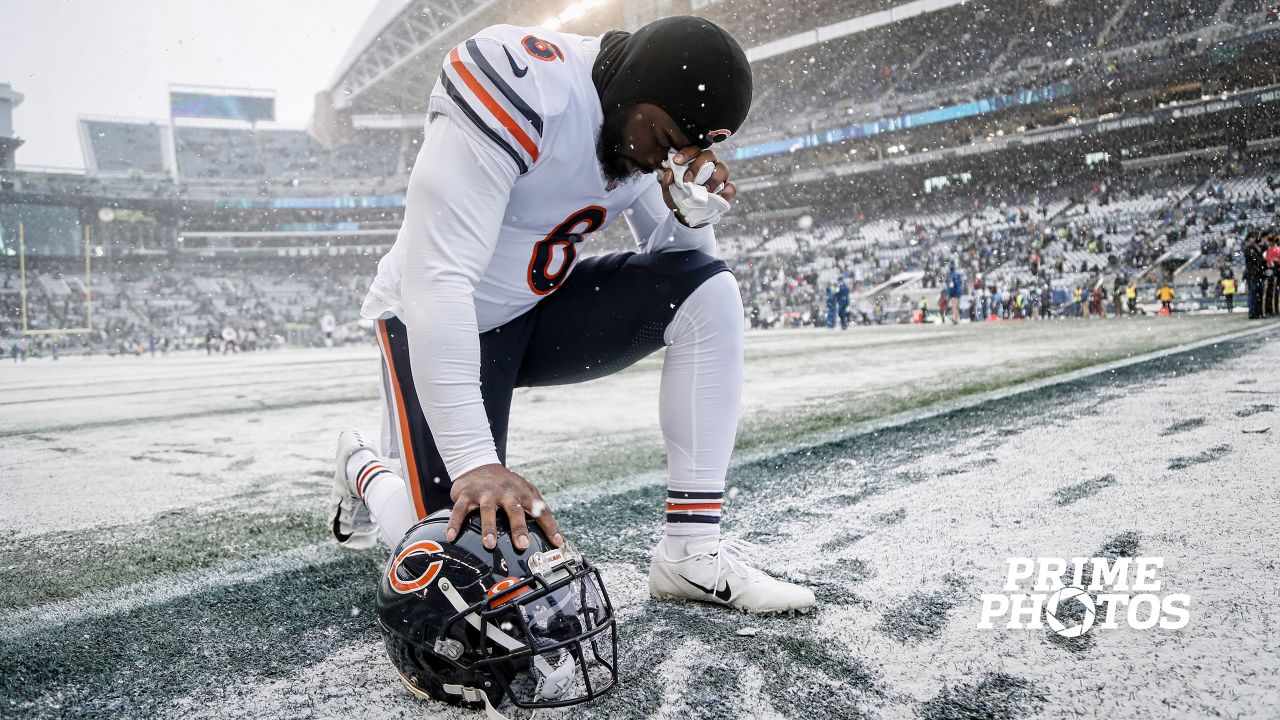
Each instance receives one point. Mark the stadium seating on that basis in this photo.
(754, 23)
(177, 301)
(1156, 19)
(124, 147)
(230, 154)
(1009, 240)
(944, 53)
(1064, 237)
(1242, 10)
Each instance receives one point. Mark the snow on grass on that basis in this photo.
(899, 527)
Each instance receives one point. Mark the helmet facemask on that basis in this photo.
(549, 640)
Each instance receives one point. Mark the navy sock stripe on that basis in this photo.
(683, 495)
(365, 483)
(682, 518)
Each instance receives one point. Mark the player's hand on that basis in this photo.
(718, 183)
(490, 488)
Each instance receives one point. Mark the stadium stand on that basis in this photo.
(1026, 222)
(225, 153)
(175, 302)
(126, 147)
(1242, 10)
(981, 49)
(1155, 19)
(784, 267)
(1075, 235)
(754, 23)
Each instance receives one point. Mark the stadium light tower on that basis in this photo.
(9, 143)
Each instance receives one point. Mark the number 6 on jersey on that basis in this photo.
(542, 279)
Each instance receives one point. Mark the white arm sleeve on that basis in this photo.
(457, 197)
(656, 228)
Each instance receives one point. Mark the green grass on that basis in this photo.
(55, 566)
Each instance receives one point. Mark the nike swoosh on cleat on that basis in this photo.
(723, 595)
(337, 532)
(519, 71)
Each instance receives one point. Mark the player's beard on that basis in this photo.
(609, 148)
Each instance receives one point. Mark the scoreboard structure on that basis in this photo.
(253, 106)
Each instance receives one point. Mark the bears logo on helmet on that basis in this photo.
(403, 586)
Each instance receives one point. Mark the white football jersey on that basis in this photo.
(527, 94)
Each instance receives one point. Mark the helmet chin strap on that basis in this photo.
(474, 695)
(467, 693)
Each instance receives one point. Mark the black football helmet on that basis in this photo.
(467, 625)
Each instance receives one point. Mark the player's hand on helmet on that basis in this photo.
(490, 488)
(702, 167)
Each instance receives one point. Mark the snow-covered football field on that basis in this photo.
(163, 550)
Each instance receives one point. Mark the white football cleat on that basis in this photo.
(714, 570)
(352, 526)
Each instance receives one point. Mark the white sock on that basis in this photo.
(676, 547)
(358, 460)
(385, 495)
(698, 407)
(390, 506)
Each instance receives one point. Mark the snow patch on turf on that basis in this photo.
(119, 601)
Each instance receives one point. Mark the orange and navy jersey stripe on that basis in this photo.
(482, 81)
(693, 506)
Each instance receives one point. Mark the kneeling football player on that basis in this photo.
(535, 139)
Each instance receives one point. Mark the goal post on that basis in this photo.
(25, 287)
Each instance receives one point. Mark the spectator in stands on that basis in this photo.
(842, 302)
(1098, 301)
(1271, 288)
(1164, 294)
(1254, 274)
(955, 289)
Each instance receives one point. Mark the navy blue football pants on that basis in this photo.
(610, 312)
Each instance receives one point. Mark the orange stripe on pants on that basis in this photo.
(402, 420)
